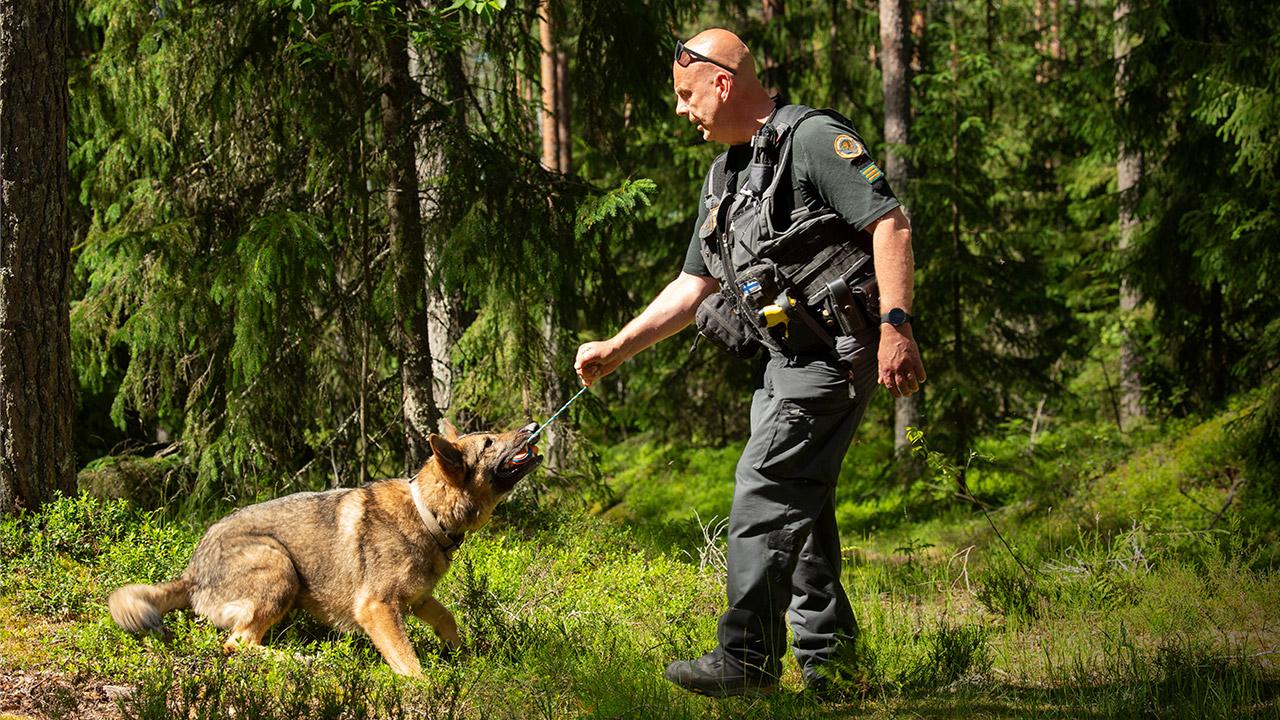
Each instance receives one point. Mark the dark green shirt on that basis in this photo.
(826, 158)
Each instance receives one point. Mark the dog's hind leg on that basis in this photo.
(257, 617)
(438, 617)
(250, 595)
(384, 622)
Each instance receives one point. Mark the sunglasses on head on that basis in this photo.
(685, 56)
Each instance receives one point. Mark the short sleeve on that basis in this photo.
(693, 262)
(833, 165)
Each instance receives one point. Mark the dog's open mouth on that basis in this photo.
(520, 462)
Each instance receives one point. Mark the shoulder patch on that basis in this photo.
(847, 147)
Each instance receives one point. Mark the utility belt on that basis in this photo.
(794, 309)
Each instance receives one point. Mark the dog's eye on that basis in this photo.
(487, 443)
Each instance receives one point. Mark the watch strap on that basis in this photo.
(888, 317)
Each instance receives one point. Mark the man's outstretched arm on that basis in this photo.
(668, 314)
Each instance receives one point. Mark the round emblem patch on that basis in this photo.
(847, 147)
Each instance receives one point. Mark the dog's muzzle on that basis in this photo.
(523, 457)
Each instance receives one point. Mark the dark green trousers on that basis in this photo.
(784, 548)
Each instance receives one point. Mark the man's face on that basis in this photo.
(700, 95)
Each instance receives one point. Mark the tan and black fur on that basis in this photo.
(355, 558)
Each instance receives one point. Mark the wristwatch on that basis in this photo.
(896, 317)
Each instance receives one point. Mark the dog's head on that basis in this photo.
(480, 469)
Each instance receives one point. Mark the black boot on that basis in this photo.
(717, 675)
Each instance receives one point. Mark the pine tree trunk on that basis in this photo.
(895, 58)
(772, 67)
(37, 458)
(438, 161)
(421, 416)
(550, 84)
(557, 157)
(1128, 175)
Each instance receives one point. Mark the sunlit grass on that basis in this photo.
(565, 614)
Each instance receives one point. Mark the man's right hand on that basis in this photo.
(672, 310)
(597, 359)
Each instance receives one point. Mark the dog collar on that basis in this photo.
(447, 541)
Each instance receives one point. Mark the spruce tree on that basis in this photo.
(36, 404)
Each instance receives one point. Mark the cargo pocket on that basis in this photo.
(802, 439)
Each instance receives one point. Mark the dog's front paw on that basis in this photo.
(450, 644)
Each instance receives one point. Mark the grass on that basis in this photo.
(1134, 600)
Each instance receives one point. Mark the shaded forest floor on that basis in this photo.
(1132, 575)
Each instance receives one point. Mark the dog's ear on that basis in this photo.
(448, 455)
(448, 429)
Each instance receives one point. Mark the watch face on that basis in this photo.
(897, 316)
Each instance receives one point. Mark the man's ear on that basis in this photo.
(723, 85)
(448, 429)
(447, 455)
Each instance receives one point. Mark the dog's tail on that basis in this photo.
(140, 607)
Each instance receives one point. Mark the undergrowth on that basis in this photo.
(1058, 596)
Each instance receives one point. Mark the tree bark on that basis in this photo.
(37, 458)
(421, 416)
(438, 162)
(773, 64)
(557, 156)
(551, 96)
(895, 68)
(1128, 175)
(833, 55)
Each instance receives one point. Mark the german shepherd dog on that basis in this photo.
(354, 558)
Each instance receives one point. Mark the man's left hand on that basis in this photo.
(901, 371)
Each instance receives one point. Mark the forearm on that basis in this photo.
(901, 370)
(894, 262)
(670, 312)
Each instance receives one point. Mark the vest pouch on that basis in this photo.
(758, 286)
(718, 321)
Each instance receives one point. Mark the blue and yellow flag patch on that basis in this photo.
(872, 172)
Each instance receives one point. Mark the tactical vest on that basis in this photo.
(791, 281)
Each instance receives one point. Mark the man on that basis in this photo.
(784, 548)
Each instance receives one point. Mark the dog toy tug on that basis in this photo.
(529, 443)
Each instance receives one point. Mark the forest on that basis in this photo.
(251, 248)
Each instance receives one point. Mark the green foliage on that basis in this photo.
(59, 560)
(263, 689)
(234, 291)
(624, 198)
(484, 8)
(580, 613)
(995, 256)
(1008, 590)
(1200, 88)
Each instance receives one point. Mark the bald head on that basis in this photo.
(717, 90)
(726, 48)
